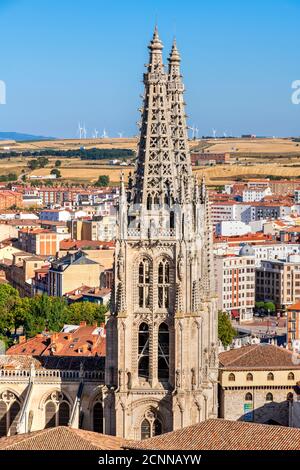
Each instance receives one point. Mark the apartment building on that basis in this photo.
(278, 281)
(235, 276)
(41, 242)
(72, 271)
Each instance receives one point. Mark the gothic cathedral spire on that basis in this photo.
(161, 362)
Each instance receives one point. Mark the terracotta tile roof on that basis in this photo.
(83, 244)
(61, 438)
(83, 341)
(220, 434)
(257, 356)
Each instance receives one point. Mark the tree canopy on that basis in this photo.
(226, 332)
(40, 313)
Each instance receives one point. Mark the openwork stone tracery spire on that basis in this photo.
(163, 321)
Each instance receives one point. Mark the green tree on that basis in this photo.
(58, 163)
(56, 172)
(103, 181)
(226, 332)
(270, 306)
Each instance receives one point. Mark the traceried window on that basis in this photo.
(143, 352)
(10, 409)
(151, 426)
(164, 284)
(98, 417)
(144, 283)
(57, 410)
(163, 352)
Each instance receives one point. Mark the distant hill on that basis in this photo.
(22, 137)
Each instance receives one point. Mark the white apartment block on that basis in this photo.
(256, 194)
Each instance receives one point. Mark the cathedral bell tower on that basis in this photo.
(162, 357)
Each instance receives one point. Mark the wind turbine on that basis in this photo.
(214, 133)
(80, 130)
(197, 132)
(193, 129)
(104, 135)
(95, 134)
(120, 134)
(225, 134)
(84, 132)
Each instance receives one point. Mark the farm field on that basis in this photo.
(251, 157)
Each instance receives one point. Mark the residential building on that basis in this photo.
(293, 327)
(278, 281)
(41, 242)
(71, 272)
(235, 277)
(10, 198)
(256, 193)
(229, 228)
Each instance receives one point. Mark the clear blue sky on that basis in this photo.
(70, 60)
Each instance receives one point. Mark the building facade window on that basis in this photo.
(270, 376)
(249, 377)
(143, 352)
(151, 425)
(269, 397)
(291, 376)
(164, 284)
(248, 397)
(163, 352)
(144, 284)
(10, 409)
(98, 417)
(231, 377)
(57, 410)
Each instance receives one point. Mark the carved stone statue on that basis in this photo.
(193, 380)
(177, 378)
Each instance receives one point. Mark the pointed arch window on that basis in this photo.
(164, 284)
(151, 426)
(248, 397)
(143, 352)
(98, 417)
(10, 409)
(291, 376)
(144, 283)
(57, 410)
(163, 352)
(269, 397)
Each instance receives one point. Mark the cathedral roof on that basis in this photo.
(220, 434)
(19, 362)
(61, 438)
